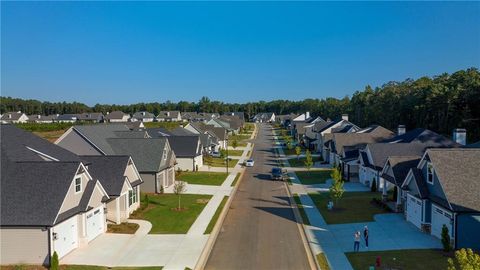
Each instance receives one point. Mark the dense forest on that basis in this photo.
(440, 103)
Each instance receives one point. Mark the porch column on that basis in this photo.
(117, 211)
(384, 188)
(399, 196)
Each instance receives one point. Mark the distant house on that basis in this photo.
(325, 130)
(143, 117)
(66, 118)
(240, 115)
(285, 120)
(153, 157)
(50, 202)
(208, 139)
(14, 117)
(443, 190)
(117, 117)
(169, 116)
(216, 135)
(40, 119)
(90, 117)
(264, 118)
(187, 148)
(344, 148)
(121, 181)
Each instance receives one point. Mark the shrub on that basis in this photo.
(54, 261)
(465, 259)
(373, 188)
(446, 239)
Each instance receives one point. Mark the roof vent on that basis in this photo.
(460, 136)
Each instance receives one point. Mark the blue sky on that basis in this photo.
(124, 52)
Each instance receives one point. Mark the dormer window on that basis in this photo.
(78, 184)
(165, 153)
(429, 173)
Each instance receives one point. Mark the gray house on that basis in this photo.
(169, 116)
(117, 117)
(49, 201)
(143, 117)
(443, 189)
(13, 117)
(153, 157)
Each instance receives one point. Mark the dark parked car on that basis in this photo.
(278, 174)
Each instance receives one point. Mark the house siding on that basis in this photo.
(435, 188)
(468, 235)
(71, 199)
(24, 246)
(76, 144)
(148, 182)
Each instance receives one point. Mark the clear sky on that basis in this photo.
(124, 52)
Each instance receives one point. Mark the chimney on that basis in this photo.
(401, 130)
(9, 115)
(143, 113)
(108, 113)
(307, 115)
(168, 114)
(345, 117)
(460, 136)
(39, 116)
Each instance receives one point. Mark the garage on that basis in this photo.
(414, 211)
(439, 218)
(65, 236)
(95, 223)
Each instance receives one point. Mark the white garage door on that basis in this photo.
(65, 237)
(440, 217)
(95, 223)
(414, 211)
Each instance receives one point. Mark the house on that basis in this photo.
(264, 118)
(13, 117)
(230, 123)
(443, 189)
(143, 117)
(121, 181)
(285, 120)
(169, 116)
(66, 118)
(40, 119)
(217, 135)
(90, 117)
(208, 139)
(303, 130)
(239, 115)
(116, 117)
(344, 148)
(153, 157)
(324, 132)
(187, 148)
(49, 201)
(413, 143)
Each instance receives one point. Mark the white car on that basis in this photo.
(249, 163)
(215, 154)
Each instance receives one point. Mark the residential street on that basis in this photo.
(260, 231)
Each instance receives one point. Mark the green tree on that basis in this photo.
(308, 160)
(336, 189)
(298, 151)
(465, 259)
(179, 188)
(54, 263)
(447, 246)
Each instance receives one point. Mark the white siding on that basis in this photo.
(24, 246)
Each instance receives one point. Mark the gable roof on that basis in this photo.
(340, 140)
(168, 114)
(109, 170)
(90, 116)
(183, 146)
(142, 115)
(116, 115)
(458, 173)
(11, 116)
(400, 167)
(39, 117)
(67, 117)
(423, 135)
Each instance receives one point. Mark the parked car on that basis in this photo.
(249, 163)
(215, 154)
(278, 174)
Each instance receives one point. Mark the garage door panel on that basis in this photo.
(95, 223)
(439, 218)
(65, 237)
(414, 211)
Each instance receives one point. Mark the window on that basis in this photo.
(132, 196)
(429, 173)
(165, 154)
(78, 184)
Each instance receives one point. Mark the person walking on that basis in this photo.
(356, 243)
(365, 236)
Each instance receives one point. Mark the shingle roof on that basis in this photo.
(351, 139)
(11, 116)
(115, 115)
(423, 136)
(143, 114)
(90, 116)
(219, 132)
(459, 175)
(381, 151)
(168, 114)
(183, 146)
(38, 117)
(400, 167)
(67, 117)
(179, 131)
(421, 184)
(109, 170)
(474, 145)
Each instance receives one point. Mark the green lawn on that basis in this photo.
(301, 210)
(314, 177)
(411, 259)
(233, 152)
(214, 219)
(353, 207)
(300, 162)
(202, 178)
(322, 261)
(238, 137)
(219, 162)
(236, 179)
(160, 212)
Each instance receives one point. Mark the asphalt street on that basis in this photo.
(259, 231)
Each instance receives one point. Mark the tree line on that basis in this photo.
(440, 103)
